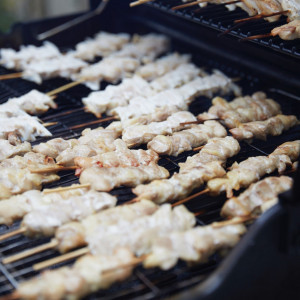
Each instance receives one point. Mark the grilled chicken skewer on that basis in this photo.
(289, 31)
(187, 248)
(261, 129)
(252, 169)
(12, 59)
(16, 181)
(113, 96)
(15, 175)
(180, 97)
(194, 246)
(121, 157)
(258, 197)
(162, 66)
(127, 60)
(106, 179)
(61, 66)
(43, 213)
(177, 77)
(72, 235)
(88, 274)
(103, 240)
(10, 148)
(242, 109)
(33, 103)
(30, 160)
(146, 228)
(102, 44)
(91, 143)
(187, 139)
(112, 68)
(26, 128)
(197, 170)
(136, 135)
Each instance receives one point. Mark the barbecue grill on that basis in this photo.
(266, 262)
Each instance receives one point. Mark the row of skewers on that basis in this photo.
(270, 10)
(85, 215)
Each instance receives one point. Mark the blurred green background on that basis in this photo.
(12, 11)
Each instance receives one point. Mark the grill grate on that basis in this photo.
(218, 17)
(145, 284)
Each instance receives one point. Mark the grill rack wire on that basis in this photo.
(220, 18)
(152, 283)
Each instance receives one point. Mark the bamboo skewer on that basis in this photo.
(52, 169)
(139, 2)
(254, 37)
(198, 148)
(189, 4)
(61, 259)
(11, 76)
(65, 87)
(63, 113)
(233, 221)
(51, 245)
(94, 122)
(190, 198)
(260, 16)
(67, 188)
(48, 124)
(12, 233)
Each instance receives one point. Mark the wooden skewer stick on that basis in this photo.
(233, 221)
(11, 76)
(63, 113)
(78, 253)
(94, 122)
(190, 198)
(52, 169)
(61, 259)
(254, 37)
(189, 4)
(67, 188)
(51, 245)
(12, 233)
(49, 124)
(260, 16)
(198, 148)
(139, 2)
(198, 213)
(134, 262)
(65, 87)
(199, 121)
(134, 200)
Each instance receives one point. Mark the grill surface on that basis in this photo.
(221, 19)
(152, 283)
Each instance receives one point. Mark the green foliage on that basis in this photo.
(6, 16)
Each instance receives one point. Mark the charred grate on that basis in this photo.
(220, 18)
(144, 284)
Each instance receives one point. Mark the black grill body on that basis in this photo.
(266, 262)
